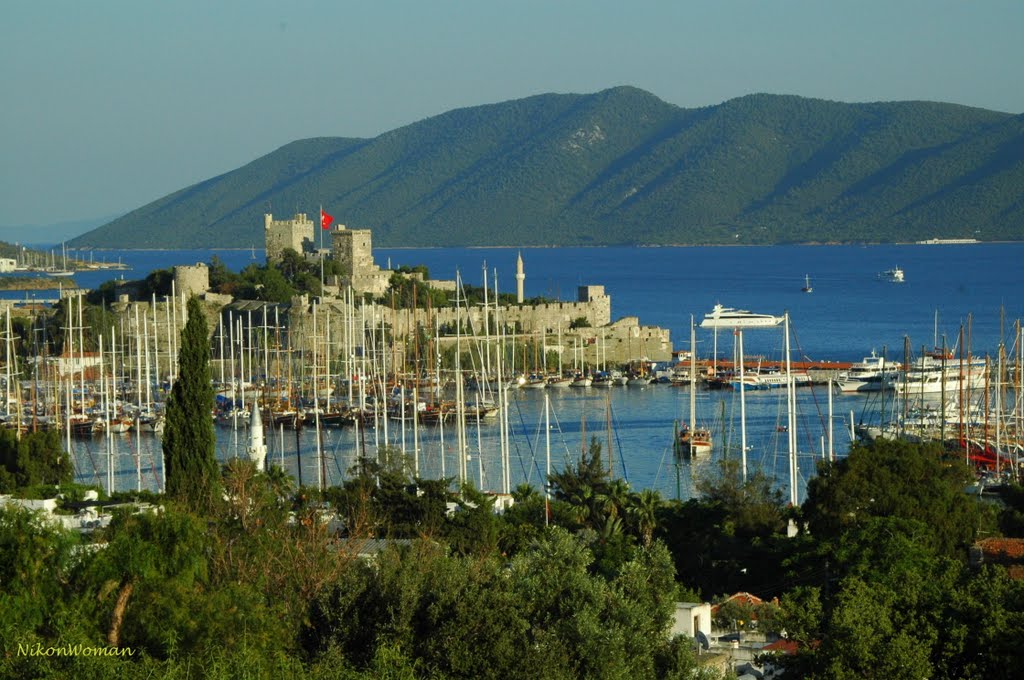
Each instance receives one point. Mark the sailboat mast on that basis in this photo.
(791, 419)
(693, 376)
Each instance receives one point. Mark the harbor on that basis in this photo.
(627, 382)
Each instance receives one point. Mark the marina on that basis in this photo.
(635, 416)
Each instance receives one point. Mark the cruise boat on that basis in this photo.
(872, 374)
(727, 317)
(892, 275)
(768, 380)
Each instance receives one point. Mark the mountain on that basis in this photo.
(624, 167)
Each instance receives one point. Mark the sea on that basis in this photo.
(952, 293)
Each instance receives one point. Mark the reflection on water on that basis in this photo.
(635, 424)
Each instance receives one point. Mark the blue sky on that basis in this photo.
(109, 104)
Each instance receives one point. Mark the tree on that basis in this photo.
(36, 458)
(189, 442)
(897, 479)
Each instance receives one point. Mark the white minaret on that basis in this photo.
(520, 278)
(257, 448)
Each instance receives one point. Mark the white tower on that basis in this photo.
(520, 278)
(257, 448)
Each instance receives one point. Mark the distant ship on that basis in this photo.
(946, 241)
(892, 275)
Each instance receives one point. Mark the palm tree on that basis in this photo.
(615, 498)
(282, 483)
(644, 512)
(524, 493)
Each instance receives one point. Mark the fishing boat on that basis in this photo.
(807, 284)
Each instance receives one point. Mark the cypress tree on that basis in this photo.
(189, 443)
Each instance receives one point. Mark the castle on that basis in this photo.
(579, 329)
(353, 249)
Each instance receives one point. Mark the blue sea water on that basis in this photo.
(976, 287)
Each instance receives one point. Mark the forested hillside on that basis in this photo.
(624, 167)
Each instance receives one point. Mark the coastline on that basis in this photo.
(385, 246)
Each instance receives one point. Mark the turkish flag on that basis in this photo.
(325, 219)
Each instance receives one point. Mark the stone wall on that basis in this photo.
(353, 249)
(191, 279)
(296, 233)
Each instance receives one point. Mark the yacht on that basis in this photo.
(727, 317)
(930, 375)
(892, 275)
(872, 374)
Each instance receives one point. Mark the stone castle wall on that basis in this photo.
(296, 233)
(353, 249)
(191, 279)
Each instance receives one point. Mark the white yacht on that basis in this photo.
(727, 317)
(892, 275)
(872, 374)
(932, 376)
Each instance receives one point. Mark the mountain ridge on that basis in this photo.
(622, 167)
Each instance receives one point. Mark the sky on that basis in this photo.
(107, 105)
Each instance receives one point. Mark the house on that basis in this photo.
(691, 618)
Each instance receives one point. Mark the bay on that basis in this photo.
(849, 313)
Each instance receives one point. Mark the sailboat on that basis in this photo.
(807, 284)
(691, 441)
(65, 271)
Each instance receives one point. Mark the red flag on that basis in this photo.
(325, 219)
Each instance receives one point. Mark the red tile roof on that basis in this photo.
(1002, 549)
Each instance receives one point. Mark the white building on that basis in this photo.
(691, 617)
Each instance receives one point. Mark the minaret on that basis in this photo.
(257, 448)
(520, 278)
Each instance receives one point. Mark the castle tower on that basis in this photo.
(353, 250)
(296, 233)
(520, 278)
(191, 279)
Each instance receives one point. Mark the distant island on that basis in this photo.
(623, 167)
(35, 283)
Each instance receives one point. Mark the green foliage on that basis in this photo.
(897, 479)
(543, 614)
(189, 441)
(732, 537)
(623, 167)
(580, 322)
(34, 458)
(1011, 516)
(35, 560)
(405, 292)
